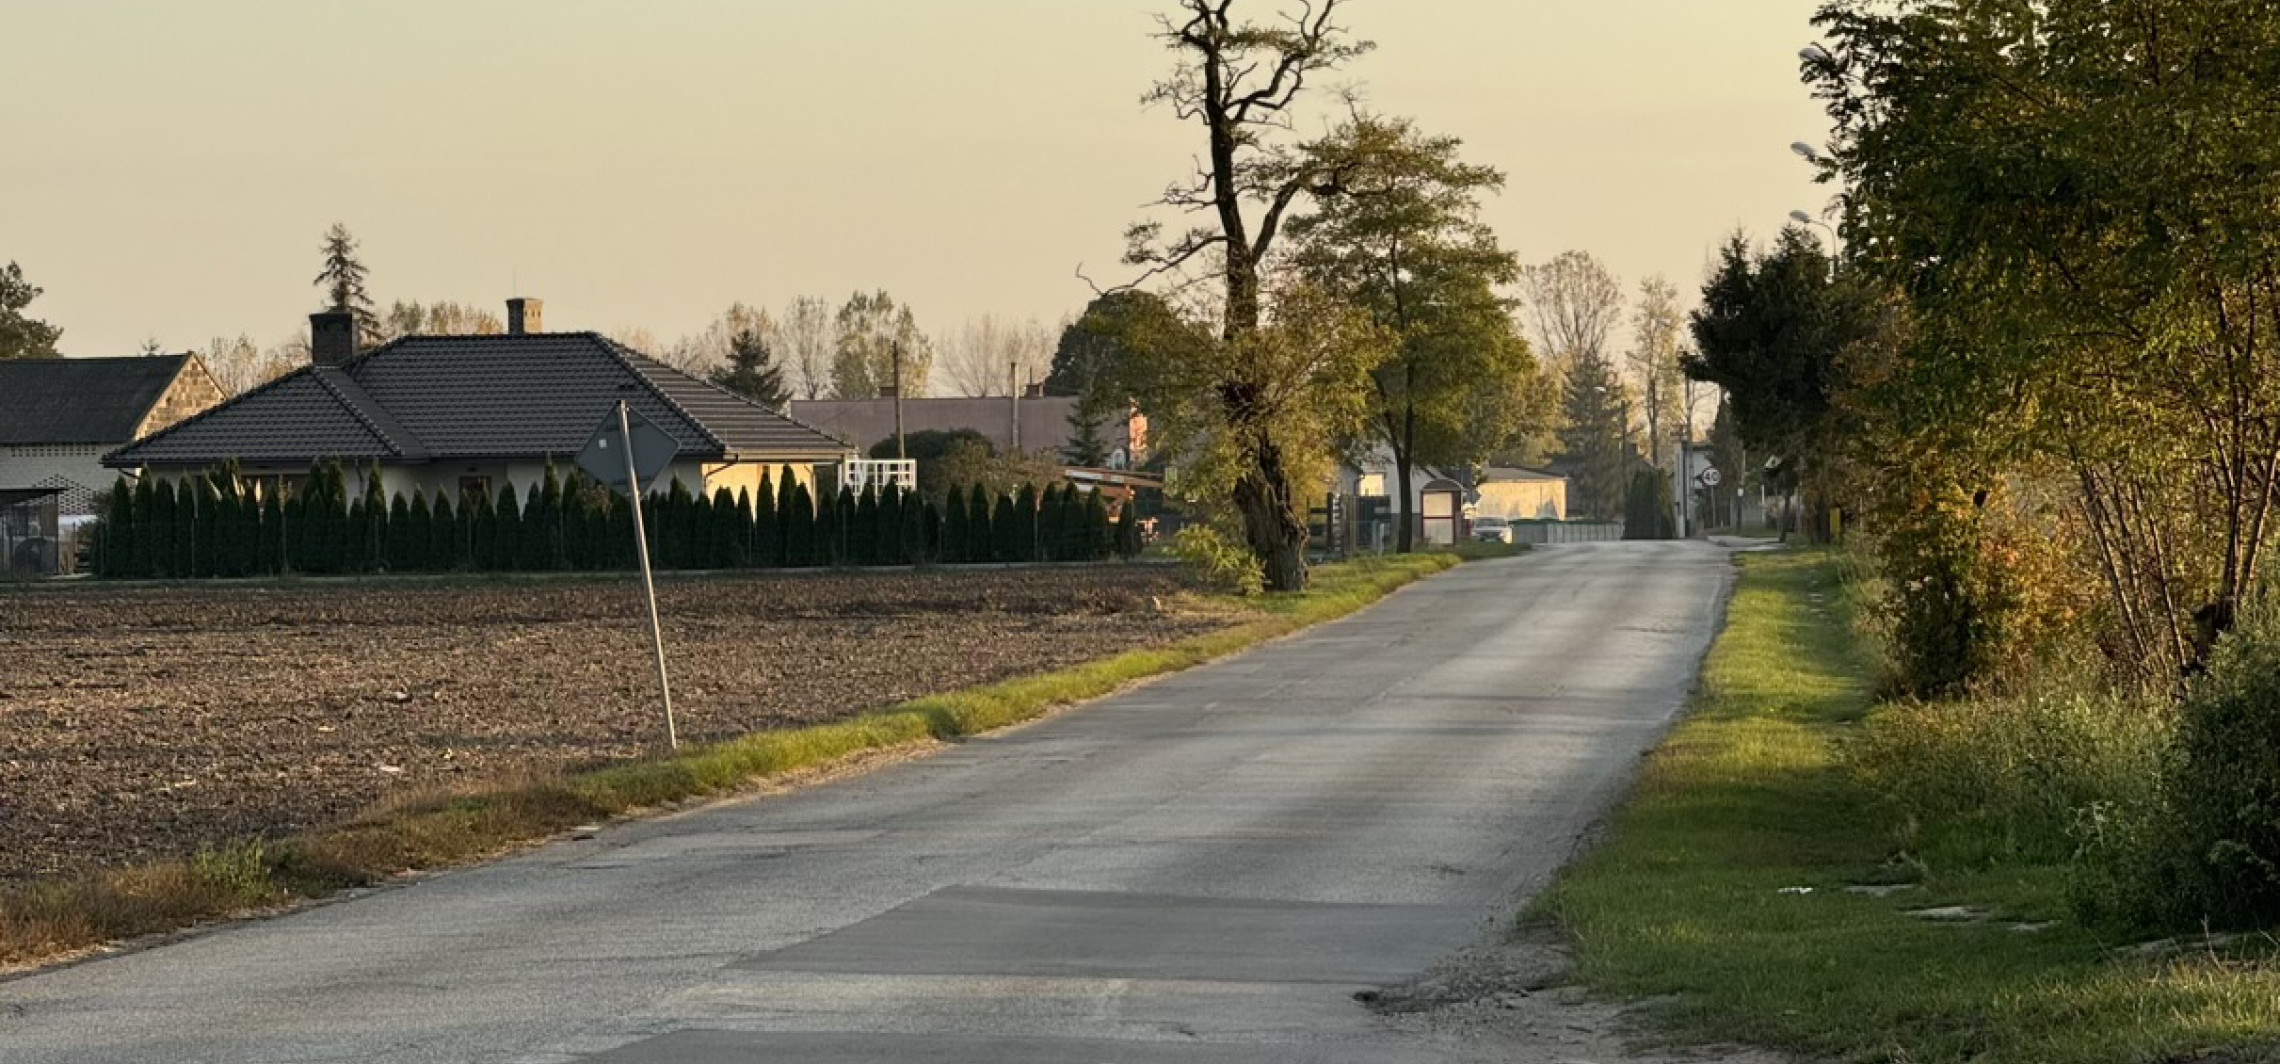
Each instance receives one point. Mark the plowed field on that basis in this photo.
(146, 722)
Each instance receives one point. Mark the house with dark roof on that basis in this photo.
(455, 415)
(60, 416)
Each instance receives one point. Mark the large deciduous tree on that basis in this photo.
(874, 334)
(1406, 245)
(1658, 340)
(22, 336)
(2081, 201)
(1239, 82)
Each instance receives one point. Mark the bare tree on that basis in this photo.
(240, 365)
(1240, 81)
(703, 353)
(1658, 331)
(809, 334)
(1574, 304)
(640, 340)
(976, 356)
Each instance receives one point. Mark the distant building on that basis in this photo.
(456, 415)
(1035, 422)
(1521, 494)
(60, 416)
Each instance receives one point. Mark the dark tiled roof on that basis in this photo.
(80, 400)
(461, 397)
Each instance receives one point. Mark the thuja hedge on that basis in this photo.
(214, 525)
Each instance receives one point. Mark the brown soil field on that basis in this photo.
(144, 722)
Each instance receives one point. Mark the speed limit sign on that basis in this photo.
(1710, 478)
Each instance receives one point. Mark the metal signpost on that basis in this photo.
(630, 447)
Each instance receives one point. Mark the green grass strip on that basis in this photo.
(1686, 901)
(54, 919)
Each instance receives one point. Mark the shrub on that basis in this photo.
(2212, 854)
(1219, 560)
(2012, 778)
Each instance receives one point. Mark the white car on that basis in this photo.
(1491, 530)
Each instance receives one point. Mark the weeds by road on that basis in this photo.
(475, 819)
(1750, 883)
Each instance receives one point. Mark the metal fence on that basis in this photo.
(1547, 533)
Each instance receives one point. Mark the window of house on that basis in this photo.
(472, 488)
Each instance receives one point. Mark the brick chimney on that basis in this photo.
(332, 337)
(888, 391)
(525, 316)
(1034, 391)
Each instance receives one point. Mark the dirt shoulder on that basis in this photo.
(140, 723)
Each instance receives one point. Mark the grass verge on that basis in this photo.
(52, 920)
(1693, 897)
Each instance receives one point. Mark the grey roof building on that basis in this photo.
(60, 416)
(432, 411)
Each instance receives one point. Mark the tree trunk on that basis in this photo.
(1270, 528)
(1407, 540)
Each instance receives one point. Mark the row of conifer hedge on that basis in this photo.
(216, 525)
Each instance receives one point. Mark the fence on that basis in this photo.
(1547, 533)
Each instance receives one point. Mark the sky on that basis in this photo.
(169, 169)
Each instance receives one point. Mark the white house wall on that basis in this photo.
(77, 468)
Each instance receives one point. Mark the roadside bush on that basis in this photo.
(2000, 779)
(2211, 854)
(1219, 560)
(1972, 590)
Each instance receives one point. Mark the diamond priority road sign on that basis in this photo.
(604, 456)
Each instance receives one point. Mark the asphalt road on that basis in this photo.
(1204, 869)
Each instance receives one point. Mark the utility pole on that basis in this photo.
(1013, 380)
(902, 452)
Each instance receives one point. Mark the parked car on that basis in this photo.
(1491, 530)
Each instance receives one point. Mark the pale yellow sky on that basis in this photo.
(170, 167)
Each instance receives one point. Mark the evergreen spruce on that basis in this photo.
(273, 534)
(863, 531)
(419, 535)
(508, 552)
(787, 528)
(831, 514)
(444, 535)
(375, 530)
(396, 552)
(890, 529)
(114, 553)
(981, 527)
(1027, 508)
(767, 535)
(799, 526)
(552, 557)
(953, 547)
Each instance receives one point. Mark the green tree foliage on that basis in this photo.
(1595, 439)
(1647, 509)
(2081, 204)
(955, 530)
(752, 371)
(22, 336)
(875, 331)
(343, 281)
(1130, 542)
(1407, 245)
(932, 449)
(1268, 393)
